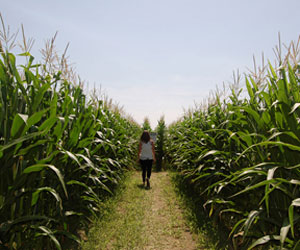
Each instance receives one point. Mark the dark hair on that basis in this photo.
(145, 136)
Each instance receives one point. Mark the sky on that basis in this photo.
(157, 57)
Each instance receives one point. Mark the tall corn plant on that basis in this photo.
(146, 124)
(160, 143)
(60, 155)
(242, 157)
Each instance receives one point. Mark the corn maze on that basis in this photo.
(62, 153)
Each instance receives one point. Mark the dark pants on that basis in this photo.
(146, 167)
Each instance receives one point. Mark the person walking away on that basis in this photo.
(146, 156)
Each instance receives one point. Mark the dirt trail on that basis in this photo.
(166, 227)
(143, 219)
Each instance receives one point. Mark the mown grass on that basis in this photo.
(166, 227)
(138, 218)
(121, 224)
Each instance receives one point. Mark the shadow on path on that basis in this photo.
(197, 215)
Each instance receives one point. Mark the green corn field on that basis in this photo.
(63, 152)
(60, 155)
(241, 155)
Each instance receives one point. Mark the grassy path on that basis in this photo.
(140, 218)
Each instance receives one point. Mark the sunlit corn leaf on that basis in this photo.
(40, 167)
(47, 232)
(284, 231)
(36, 194)
(295, 203)
(264, 240)
(19, 123)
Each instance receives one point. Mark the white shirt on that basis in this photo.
(146, 152)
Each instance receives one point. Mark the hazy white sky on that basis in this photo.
(160, 56)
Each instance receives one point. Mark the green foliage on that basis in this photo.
(242, 157)
(60, 156)
(146, 125)
(160, 143)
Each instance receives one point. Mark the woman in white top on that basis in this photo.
(146, 156)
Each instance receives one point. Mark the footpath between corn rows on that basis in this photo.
(143, 218)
